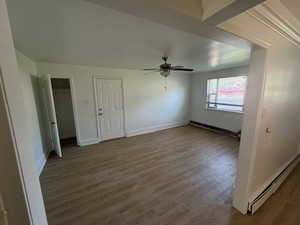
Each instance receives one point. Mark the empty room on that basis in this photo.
(149, 112)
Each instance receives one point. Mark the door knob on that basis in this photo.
(268, 130)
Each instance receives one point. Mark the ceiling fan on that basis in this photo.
(166, 68)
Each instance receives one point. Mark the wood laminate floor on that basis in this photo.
(180, 176)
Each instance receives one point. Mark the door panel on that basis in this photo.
(53, 120)
(110, 108)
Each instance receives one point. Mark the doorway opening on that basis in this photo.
(64, 111)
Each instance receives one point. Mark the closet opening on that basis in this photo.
(64, 111)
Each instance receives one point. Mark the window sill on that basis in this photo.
(223, 110)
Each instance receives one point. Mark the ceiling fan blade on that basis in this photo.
(182, 69)
(177, 66)
(152, 69)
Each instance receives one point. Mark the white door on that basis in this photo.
(110, 108)
(53, 120)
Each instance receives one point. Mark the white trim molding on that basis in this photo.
(74, 102)
(131, 133)
(152, 129)
(42, 162)
(271, 18)
(90, 141)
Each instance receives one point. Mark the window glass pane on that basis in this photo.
(212, 86)
(232, 90)
(226, 93)
(212, 98)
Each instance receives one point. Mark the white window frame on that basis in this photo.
(208, 103)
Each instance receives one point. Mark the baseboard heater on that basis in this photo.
(271, 189)
(217, 129)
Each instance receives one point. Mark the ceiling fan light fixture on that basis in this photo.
(166, 68)
(165, 73)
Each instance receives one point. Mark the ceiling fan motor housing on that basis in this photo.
(165, 68)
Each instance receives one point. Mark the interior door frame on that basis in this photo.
(74, 105)
(53, 120)
(95, 77)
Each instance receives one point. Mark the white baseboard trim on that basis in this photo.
(131, 133)
(155, 128)
(287, 168)
(43, 162)
(42, 166)
(91, 141)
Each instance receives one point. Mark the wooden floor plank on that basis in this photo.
(180, 176)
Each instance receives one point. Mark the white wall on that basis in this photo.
(147, 104)
(251, 126)
(19, 182)
(64, 113)
(279, 106)
(29, 81)
(225, 120)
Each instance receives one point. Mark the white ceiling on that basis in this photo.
(84, 33)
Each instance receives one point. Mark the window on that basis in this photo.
(226, 94)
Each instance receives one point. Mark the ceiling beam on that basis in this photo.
(218, 11)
